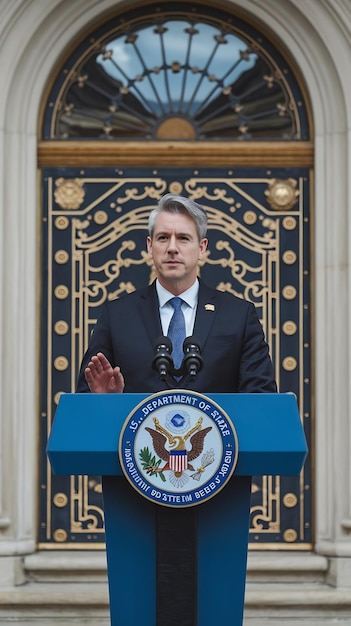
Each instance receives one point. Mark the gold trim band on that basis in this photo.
(182, 153)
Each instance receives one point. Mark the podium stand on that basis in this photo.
(84, 440)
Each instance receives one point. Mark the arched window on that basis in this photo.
(174, 72)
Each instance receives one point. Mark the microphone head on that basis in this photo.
(162, 361)
(163, 342)
(191, 343)
(192, 361)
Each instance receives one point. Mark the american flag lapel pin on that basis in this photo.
(209, 307)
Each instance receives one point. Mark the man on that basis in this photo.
(121, 350)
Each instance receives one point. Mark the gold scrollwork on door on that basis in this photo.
(252, 254)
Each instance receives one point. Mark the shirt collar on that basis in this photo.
(190, 296)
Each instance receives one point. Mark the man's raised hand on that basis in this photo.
(102, 377)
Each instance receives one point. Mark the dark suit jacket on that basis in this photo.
(234, 351)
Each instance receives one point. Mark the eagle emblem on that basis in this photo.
(172, 449)
(178, 448)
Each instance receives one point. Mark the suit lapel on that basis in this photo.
(206, 312)
(149, 312)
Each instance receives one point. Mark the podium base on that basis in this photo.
(144, 588)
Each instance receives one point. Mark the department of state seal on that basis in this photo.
(178, 448)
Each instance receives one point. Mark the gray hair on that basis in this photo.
(178, 204)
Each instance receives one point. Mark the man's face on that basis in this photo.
(175, 250)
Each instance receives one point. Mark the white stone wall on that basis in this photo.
(34, 34)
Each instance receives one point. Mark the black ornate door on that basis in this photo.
(94, 230)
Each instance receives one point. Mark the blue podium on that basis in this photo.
(84, 440)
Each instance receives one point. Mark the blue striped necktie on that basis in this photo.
(176, 331)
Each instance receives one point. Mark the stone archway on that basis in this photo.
(122, 83)
(35, 39)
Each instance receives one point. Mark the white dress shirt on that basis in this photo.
(189, 305)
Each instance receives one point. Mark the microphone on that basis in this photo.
(192, 356)
(162, 361)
